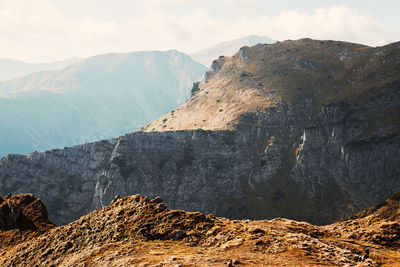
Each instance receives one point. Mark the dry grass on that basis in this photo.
(138, 231)
(326, 71)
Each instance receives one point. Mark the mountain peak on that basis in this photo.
(267, 75)
(227, 48)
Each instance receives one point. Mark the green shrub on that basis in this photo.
(195, 88)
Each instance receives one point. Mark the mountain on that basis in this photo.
(228, 48)
(100, 97)
(306, 130)
(11, 69)
(138, 231)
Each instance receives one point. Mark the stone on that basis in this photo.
(179, 235)
(115, 199)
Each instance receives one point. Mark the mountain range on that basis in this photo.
(99, 97)
(281, 154)
(305, 129)
(75, 101)
(11, 68)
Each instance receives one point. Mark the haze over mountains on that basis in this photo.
(11, 69)
(228, 48)
(75, 101)
(101, 97)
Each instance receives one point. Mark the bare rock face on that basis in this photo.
(10, 216)
(314, 136)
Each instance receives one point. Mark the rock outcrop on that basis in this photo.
(22, 218)
(307, 130)
(387, 209)
(138, 231)
(24, 212)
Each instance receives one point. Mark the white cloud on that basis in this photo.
(200, 29)
(37, 30)
(336, 22)
(158, 3)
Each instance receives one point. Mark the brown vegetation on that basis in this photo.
(265, 75)
(138, 231)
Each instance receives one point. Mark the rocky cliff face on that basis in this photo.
(318, 153)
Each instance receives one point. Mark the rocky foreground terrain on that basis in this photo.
(305, 129)
(138, 231)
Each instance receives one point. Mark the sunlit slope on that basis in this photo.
(268, 75)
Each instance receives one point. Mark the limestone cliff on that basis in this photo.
(306, 129)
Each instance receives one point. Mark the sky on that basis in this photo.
(48, 30)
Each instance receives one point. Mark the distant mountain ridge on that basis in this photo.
(101, 97)
(11, 68)
(228, 48)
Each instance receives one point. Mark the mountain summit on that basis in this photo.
(228, 48)
(267, 75)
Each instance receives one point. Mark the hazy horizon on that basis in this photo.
(51, 30)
